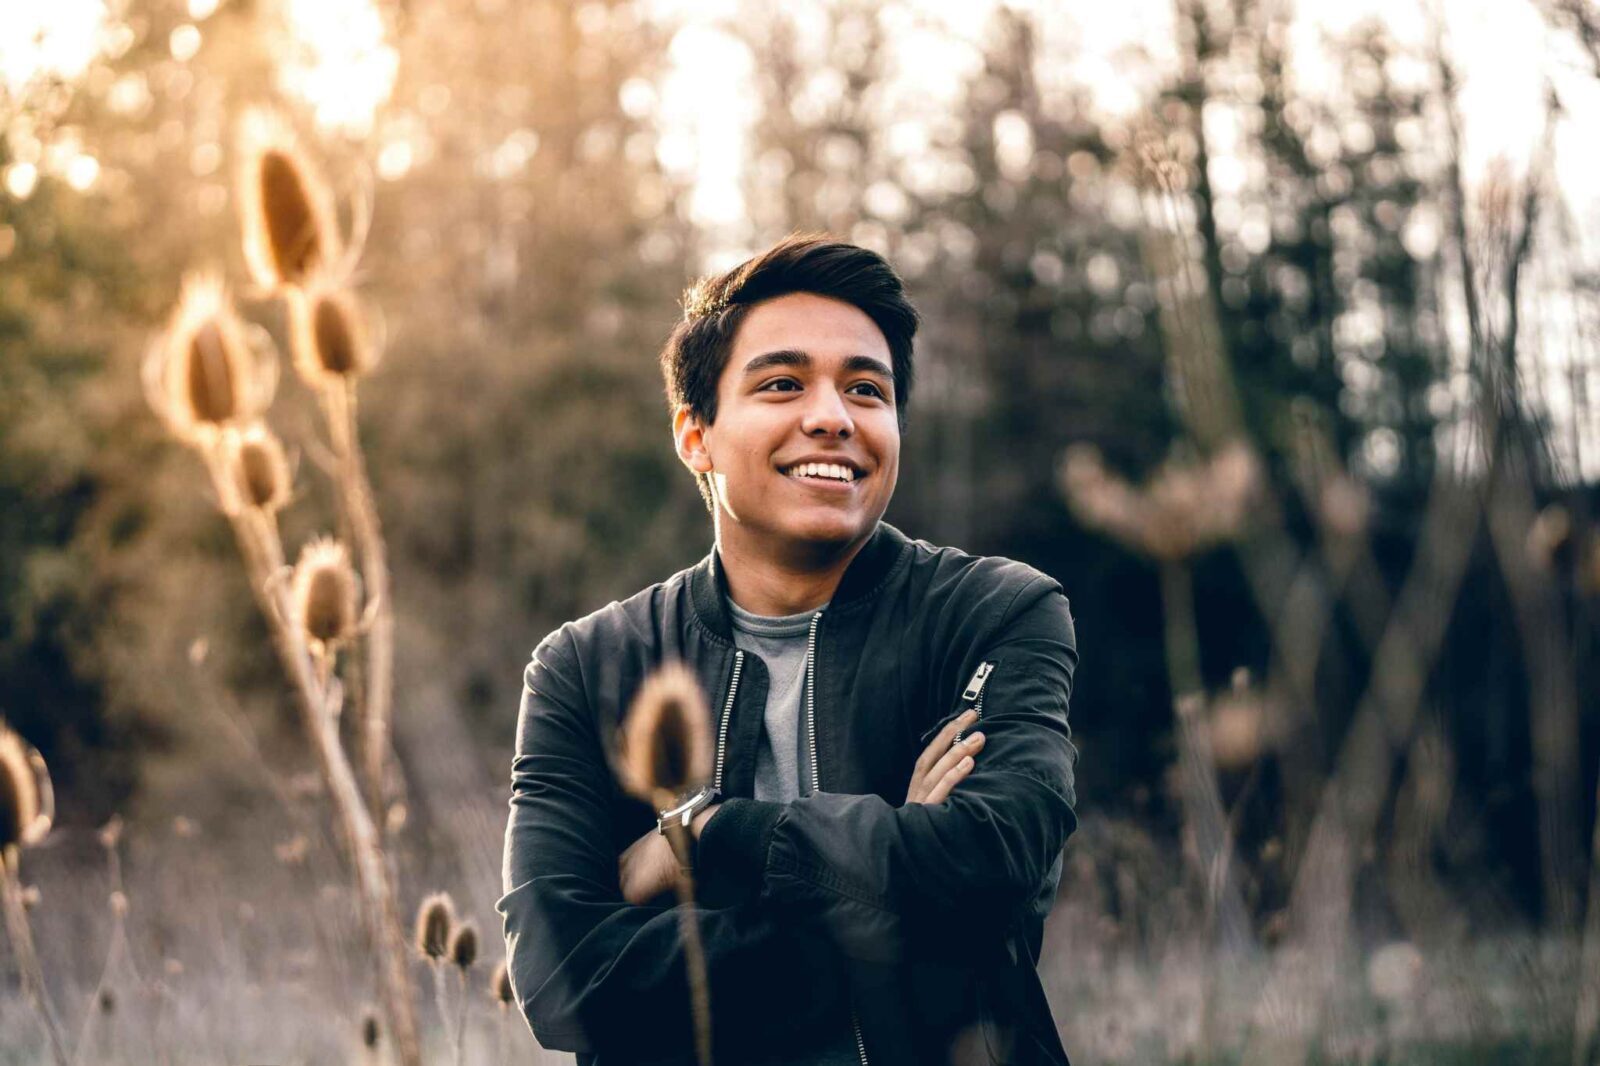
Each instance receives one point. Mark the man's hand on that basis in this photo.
(649, 867)
(943, 763)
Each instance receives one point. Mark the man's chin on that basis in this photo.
(827, 534)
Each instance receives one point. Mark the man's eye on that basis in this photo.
(772, 386)
(873, 389)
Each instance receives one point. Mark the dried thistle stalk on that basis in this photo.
(666, 740)
(202, 375)
(333, 348)
(463, 953)
(325, 596)
(286, 206)
(205, 377)
(435, 917)
(258, 470)
(666, 751)
(332, 345)
(27, 808)
(27, 802)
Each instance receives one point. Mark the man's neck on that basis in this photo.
(777, 584)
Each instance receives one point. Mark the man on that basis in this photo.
(867, 891)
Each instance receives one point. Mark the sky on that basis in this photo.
(336, 58)
(1504, 52)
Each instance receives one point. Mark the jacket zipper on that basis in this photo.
(816, 778)
(811, 700)
(727, 716)
(974, 692)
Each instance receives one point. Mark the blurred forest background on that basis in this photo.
(1237, 222)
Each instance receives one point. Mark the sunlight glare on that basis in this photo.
(37, 40)
(703, 141)
(339, 61)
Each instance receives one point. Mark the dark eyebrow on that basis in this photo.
(795, 357)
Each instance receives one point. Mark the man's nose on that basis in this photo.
(827, 415)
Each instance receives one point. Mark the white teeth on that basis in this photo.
(835, 471)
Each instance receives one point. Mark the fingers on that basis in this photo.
(969, 746)
(941, 743)
(947, 783)
(947, 772)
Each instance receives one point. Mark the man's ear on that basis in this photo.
(688, 435)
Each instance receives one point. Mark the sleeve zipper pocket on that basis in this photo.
(971, 699)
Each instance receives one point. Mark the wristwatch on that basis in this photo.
(685, 811)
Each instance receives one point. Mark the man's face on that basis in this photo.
(809, 380)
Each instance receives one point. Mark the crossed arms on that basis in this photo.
(819, 880)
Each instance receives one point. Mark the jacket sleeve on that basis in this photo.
(888, 881)
(594, 973)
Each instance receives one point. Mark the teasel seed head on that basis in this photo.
(329, 334)
(27, 801)
(286, 206)
(666, 740)
(369, 1028)
(1184, 508)
(325, 593)
(435, 917)
(203, 374)
(1238, 724)
(1345, 506)
(258, 470)
(1151, 158)
(464, 945)
(500, 984)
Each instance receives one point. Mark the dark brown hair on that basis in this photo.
(713, 308)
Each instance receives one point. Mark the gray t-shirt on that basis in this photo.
(780, 643)
(783, 770)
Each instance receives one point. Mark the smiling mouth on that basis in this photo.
(823, 474)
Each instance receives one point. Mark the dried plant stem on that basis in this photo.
(693, 953)
(1226, 918)
(1588, 1012)
(441, 997)
(461, 1017)
(27, 958)
(260, 546)
(355, 490)
(1180, 631)
(1552, 693)
(117, 950)
(1291, 597)
(1352, 801)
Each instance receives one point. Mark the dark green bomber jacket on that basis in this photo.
(920, 923)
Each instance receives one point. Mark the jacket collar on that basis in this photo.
(708, 581)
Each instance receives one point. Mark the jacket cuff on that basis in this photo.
(732, 853)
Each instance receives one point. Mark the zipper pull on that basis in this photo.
(974, 688)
